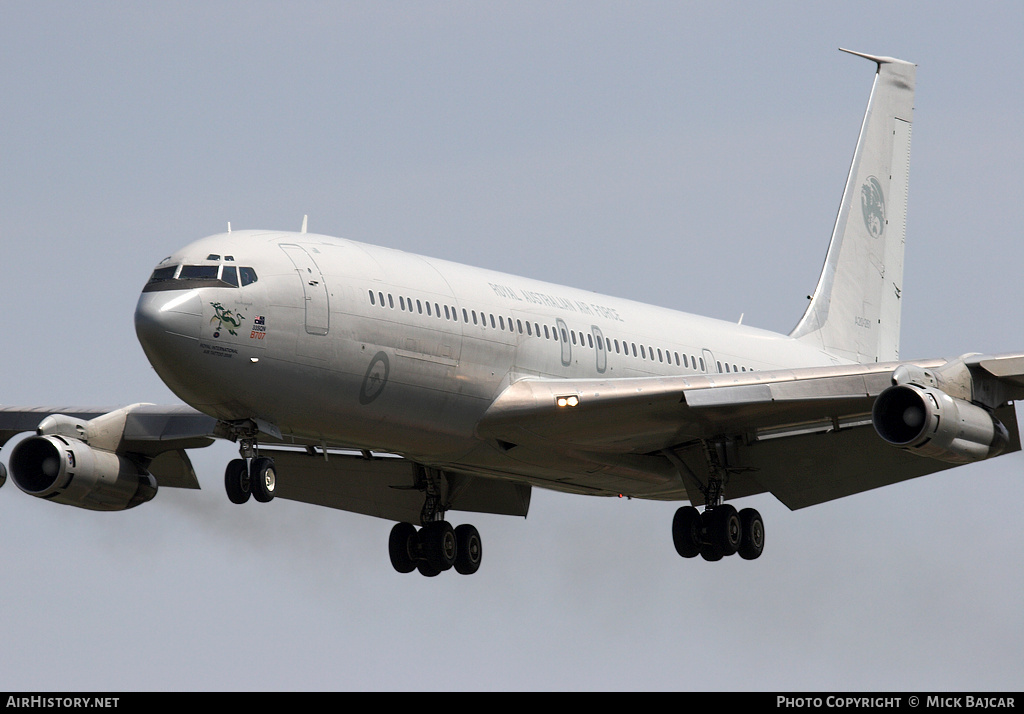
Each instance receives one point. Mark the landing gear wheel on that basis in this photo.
(687, 532)
(725, 529)
(263, 479)
(236, 481)
(711, 549)
(752, 543)
(469, 550)
(401, 545)
(710, 552)
(438, 544)
(427, 570)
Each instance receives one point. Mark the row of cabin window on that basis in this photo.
(451, 313)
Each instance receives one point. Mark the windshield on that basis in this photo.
(186, 277)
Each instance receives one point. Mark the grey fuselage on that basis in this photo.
(372, 348)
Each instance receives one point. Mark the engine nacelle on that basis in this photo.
(928, 422)
(69, 471)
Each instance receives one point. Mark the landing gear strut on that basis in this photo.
(436, 547)
(720, 530)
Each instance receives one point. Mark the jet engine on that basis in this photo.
(66, 470)
(928, 422)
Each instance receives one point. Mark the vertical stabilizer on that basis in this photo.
(854, 312)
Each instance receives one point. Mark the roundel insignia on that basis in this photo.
(375, 379)
(872, 203)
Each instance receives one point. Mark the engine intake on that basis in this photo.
(69, 471)
(928, 422)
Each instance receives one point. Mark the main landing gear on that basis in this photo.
(437, 546)
(434, 548)
(718, 532)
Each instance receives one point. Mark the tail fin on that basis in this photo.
(855, 310)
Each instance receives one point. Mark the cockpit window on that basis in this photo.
(161, 274)
(186, 277)
(198, 272)
(229, 275)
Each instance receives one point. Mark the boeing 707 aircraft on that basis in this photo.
(389, 384)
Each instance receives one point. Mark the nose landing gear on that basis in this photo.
(252, 475)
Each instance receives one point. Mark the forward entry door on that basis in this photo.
(313, 287)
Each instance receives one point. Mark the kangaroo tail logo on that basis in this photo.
(872, 203)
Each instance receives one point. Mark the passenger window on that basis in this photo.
(372, 300)
(590, 340)
(391, 301)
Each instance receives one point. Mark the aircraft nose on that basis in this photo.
(167, 324)
(168, 314)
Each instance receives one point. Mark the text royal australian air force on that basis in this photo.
(555, 301)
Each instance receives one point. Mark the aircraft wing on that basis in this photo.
(156, 438)
(805, 435)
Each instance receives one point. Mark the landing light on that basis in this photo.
(570, 401)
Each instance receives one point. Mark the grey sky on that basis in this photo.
(688, 155)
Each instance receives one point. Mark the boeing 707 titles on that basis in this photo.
(389, 384)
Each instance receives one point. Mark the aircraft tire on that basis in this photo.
(236, 481)
(752, 544)
(438, 544)
(3, 475)
(711, 552)
(427, 570)
(469, 549)
(263, 479)
(725, 529)
(403, 536)
(687, 532)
